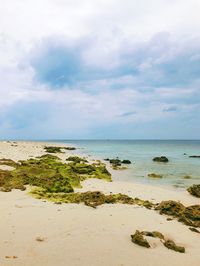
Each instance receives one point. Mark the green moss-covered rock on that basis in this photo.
(139, 239)
(76, 159)
(170, 244)
(193, 229)
(8, 162)
(188, 215)
(54, 149)
(49, 173)
(194, 190)
(153, 175)
(187, 177)
(117, 163)
(154, 234)
(161, 159)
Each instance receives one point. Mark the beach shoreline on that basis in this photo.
(74, 234)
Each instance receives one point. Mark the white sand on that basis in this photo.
(79, 235)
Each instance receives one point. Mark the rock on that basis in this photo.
(187, 177)
(155, 234)
(53, 149)
(126, 162)
(69, 148)
(39, 239)
(138, 239)
(116, 163)
(191, 216)
(194, 230)
(172, 208)
(155, 175)
(161, 159)
(170, 244)
(187, 215)
(76, 159)
(194, 190)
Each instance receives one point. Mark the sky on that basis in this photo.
(99, 69)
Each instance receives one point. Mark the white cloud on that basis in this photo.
(116, 38)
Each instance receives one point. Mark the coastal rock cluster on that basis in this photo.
(117, 163)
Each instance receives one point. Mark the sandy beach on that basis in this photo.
(38, 232)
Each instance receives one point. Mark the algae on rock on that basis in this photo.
(188, 215)
(49, 173)
(139, 239)
(194, 190)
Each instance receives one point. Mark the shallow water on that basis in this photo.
(141, 153)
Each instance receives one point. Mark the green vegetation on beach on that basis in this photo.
(54, 180)
(54, 149)
(50, 173)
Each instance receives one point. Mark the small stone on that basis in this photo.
(39, 239)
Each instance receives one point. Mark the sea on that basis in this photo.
(141, 153)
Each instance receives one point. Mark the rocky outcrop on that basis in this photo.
(194, 190)
(161, 159)
(188, 215)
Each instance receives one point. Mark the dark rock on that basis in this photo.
(170, 244)
(69, 148)
(76, 159)
(126, 162)
(138, 239)
(194, 230)
(115, 162)
(187, 215)
(155, 234)
(153, 175)
(187, 177)
(194, 190)
(161, 159)
(172, 208)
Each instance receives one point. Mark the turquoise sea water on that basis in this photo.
(141, 153)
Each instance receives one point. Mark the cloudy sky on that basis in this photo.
(73, 69)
